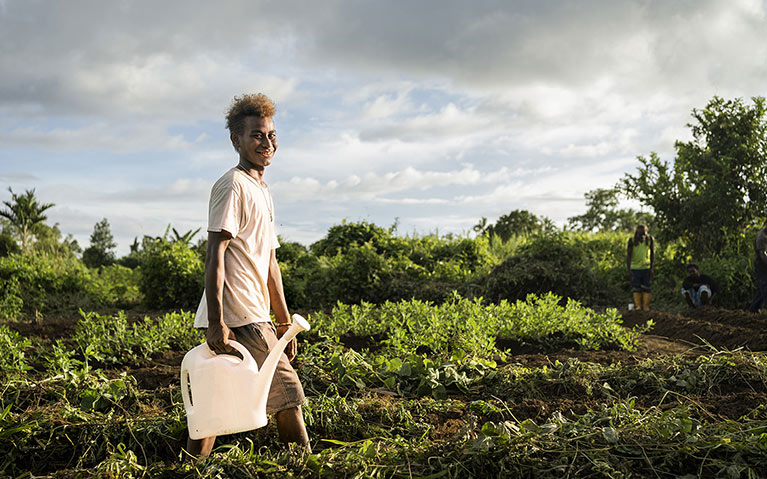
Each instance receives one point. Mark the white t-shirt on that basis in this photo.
(242, 207)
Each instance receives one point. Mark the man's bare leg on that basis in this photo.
(200, 447)
(290, 425)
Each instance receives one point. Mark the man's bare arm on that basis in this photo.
(279, 305)
(218, 334)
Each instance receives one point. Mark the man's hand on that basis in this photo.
(217, 336)
(292, 348)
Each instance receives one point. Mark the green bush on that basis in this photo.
(562, 264)
(39, 283)
(342, 237)
(117, 286)
(362, 262)
(461, 326)
(10, 298)
(172, 275)
(13, 360)
(543, 322)
(111, 339)
(290, 252)
(8, 244)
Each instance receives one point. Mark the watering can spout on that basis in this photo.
(223, 395)
(269, 366)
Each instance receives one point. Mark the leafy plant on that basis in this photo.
(563, 264)
(13, 361)
(111, 339)
(25, 214)
(172, 275)
(717, 182)
(101, 250)
(40, 283)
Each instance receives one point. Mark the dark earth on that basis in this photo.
(691, 333)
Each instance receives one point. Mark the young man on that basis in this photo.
(242, 277)
(640, 262)
(760, 269)
(698, 288)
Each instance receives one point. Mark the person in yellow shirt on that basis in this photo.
(640, 259)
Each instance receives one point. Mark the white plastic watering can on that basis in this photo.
(224, 394)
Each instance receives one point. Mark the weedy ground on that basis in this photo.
(410, 389)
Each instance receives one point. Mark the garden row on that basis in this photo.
(461, 406)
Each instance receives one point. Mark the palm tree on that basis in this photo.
(24, 213)
(185, 238)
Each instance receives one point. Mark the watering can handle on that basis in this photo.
(247, 358)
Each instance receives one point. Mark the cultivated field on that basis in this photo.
(409, 389)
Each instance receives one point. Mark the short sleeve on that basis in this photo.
(225, 209)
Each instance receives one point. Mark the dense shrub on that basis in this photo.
(290, 251)
(117, 285)
(8, 245)
(13, 360)
(347, 235)
(363, 262)
(172, 275)
(34, 284)
(562, 264)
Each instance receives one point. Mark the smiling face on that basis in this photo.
(257, 142)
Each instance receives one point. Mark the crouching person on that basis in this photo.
(697, 288)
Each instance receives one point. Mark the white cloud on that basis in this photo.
(374, 187)
(120, 138)
(383, 111)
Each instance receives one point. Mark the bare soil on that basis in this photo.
(720, 328)
(692, 332)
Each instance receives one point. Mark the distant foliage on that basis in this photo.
(603, 214)
(515, 223)
(363, 262)
(25, 213)
(8, 245)
(50, 241)
(717, 184)
(341, 238)
(35, 284)
(101, 250)
(563, 264)
(172, 275)
(117, 286)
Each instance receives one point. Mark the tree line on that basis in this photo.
(702, 206)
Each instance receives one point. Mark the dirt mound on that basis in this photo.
(722, 328)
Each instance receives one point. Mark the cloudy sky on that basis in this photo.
(430, 113)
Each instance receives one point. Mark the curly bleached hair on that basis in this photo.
(248, 105)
